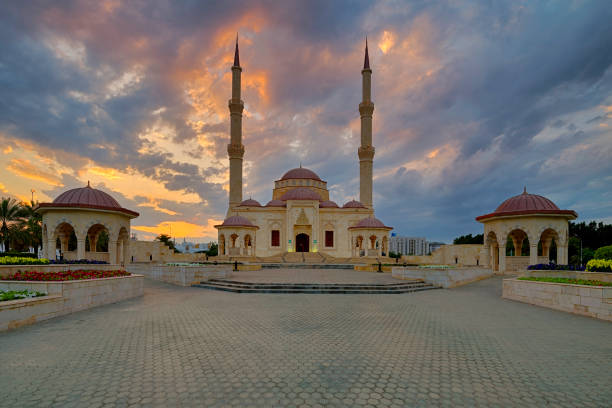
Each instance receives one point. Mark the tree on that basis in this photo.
(213, 249)
(167, 240)
(469, 239)
(31, 225)
(395, 255)
(11, 213)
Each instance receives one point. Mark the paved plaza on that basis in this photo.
(194, 347)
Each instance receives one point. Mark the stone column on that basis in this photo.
(80, 248)
(518, 246)
(112, 252)
(533, 253)
(51, 244)
(121, 253)
(502, 258)
(485, 255)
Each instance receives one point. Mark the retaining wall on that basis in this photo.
(446, 278)
(593, 301)
(65, 297)
(182, 275)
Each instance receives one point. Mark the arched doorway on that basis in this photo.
(302, 243)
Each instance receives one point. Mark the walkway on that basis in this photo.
(193, 347)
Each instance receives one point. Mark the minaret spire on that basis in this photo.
(366, 61)
(366, 150)
(236, 54)
(235, 149)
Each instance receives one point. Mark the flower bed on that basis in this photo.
(554, 267)
(22, 260)
(6, 295)
(64, 275)
(599, 265)
(567, 280)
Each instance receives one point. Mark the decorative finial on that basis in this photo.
(525, 190)
(88, 184)
(236, 56)
(366, 61)
(300, 165)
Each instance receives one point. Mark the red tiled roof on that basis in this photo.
(370, 222)
(301, 173)
(525, 204)
(301, 193)
(87, 197)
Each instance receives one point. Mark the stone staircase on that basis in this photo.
(408, 286)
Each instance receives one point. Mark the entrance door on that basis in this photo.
(302, 243)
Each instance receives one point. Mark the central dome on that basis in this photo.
(300, 193)
(526, 202)
(301, 173)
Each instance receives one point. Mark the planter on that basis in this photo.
(592, 301)
(597, 276)
(65, 297)
(6, 270)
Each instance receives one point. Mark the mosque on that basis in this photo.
(300, 217)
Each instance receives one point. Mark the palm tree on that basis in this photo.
(11, 212)
(31, 225)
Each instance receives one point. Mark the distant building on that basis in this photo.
(435, 245)
(190, 247)
(408, 245)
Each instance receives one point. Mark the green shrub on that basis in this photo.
(604, 253)
(19, 254)
(599, 265)
(18, 260)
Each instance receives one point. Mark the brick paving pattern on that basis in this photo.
(195, 347)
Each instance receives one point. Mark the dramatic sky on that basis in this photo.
(474, 100)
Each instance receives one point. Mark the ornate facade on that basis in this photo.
(301, 217)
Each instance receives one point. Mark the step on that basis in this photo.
(339, 288)
(301, 265)
(380, 291)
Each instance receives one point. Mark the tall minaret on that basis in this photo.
(366, 150)
(235, 149)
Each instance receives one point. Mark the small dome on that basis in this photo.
(370, 222)
(525, 204)
(276, 203)
(87, 197)
(250, 203)
(328, 204)
(301, 193)
(237, 221)
(301, 173)
(353, 204)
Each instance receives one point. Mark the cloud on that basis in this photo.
(472, 103)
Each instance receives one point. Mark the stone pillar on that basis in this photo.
(502, 258)
(112, 252)
(533, 253)
(121, 259)
(93, 242)
(80, 248)
(235, 148)
(51, 244)
(366, 150)
(518, 246)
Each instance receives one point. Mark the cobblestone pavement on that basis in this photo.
(289, 275)
(194, 347)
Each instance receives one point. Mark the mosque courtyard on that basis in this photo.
(194, 347)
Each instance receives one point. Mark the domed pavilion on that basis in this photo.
(77, 219)
(301, 217)
(533, 224)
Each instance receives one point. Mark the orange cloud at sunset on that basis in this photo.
(182, 229)
(24, 168)
(387, 41)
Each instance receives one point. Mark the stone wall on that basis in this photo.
(592, 301)
(65, 297)
(6, 270)
(460, 255)
(446, 278)
(182, 275)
